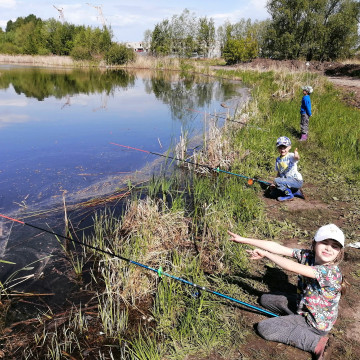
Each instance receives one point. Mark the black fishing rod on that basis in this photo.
(159, 271)
(218, 170)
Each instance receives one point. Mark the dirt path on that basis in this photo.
(350, 88)
(346, 82)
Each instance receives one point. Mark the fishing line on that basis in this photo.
(228, 119)
(250, 179)
(159, 271)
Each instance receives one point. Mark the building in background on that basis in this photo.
(136, 46)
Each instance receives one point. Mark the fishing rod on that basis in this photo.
(218, 170)
(159, 271)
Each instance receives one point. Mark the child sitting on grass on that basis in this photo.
(289, 181)
(306, 318)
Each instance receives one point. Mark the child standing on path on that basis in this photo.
(305, 112)
(305, 319)
(288, 179)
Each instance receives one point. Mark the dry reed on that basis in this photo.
(150, 232)
(38, 60)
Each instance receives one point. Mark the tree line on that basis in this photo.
(33, 36)
(297, 29)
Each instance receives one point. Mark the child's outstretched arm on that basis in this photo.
(263, 244)
(284, 263)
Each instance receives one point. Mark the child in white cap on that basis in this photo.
(305, 112)
(304, 319)
(289, 180)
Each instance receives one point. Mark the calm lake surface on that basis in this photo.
(56, 127)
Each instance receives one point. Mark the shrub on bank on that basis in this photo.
(80, 53)
(9, 48)
(119, 54)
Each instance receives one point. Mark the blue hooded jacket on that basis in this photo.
(305, 105)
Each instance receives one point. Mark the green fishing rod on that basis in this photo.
(218, 170)
(159, 271)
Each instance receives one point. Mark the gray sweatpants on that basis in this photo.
(291, 329)
(304, 123)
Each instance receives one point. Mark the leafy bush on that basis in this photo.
(9, 48)
(80, 53)
(238, 50)
(119, 54)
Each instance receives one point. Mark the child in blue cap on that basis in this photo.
(289, 181)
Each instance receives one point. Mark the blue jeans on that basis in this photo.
(283, 184)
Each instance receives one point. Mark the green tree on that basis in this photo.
(224, 34)
(147, 39)
(248, 36)
(206, 36)
(240, 50)
(161, 39)
(27, 38)
(91, 43)
(60, 37)
(183, 33)
(312, 29)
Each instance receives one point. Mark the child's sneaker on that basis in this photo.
(303, 137)
(299, 194)
(288, 196)
(321, 351)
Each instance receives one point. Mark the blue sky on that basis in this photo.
(129, 19)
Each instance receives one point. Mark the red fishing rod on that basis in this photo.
(159, 271)
(250, 179)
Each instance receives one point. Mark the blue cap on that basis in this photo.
(283, 140)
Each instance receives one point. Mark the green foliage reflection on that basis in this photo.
(41, 84)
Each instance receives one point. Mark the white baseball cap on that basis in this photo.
(330, 231)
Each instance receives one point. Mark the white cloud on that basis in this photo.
(14, 102)
(7, 4)
(11, 118)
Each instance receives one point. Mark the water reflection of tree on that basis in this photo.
(192, 92)
(42, 83)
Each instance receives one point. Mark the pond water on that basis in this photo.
(57, 126)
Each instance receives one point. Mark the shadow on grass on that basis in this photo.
(276, 280)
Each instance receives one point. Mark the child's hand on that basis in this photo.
(256, 254)
(296, 154)
(237, 238)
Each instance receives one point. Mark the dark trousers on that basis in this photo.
(290, 329)
(304, 123)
